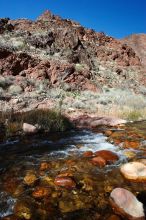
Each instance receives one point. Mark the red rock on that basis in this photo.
(138, 43)
(41, 192)
(88, 154)
(108, 156)
(72, 41)
(126, 204)
(65, 182)
(98, 161)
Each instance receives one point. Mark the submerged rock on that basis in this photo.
(30, 178)
(23, 210)
(41, 192)
(126, 204)
(65, 182)
(134, 171)
(88, 154)
(108, 156)
(98, 161)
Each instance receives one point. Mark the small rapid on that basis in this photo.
(30, 152)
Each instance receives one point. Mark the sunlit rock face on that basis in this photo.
(76, 55)
(138, 43)
(126, 204)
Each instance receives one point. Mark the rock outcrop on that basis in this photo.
(138, 43)
(64, 54)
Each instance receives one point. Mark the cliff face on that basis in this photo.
(62, 53)
(138, 43)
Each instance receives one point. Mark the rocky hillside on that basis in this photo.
(138, 43)
(55, 52)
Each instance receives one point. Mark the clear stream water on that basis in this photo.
(20, 155)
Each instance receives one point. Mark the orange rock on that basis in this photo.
(131, 144)
(30, 178)
(108, 156)
(98, 161)
(88, 154)
(41, 192)
(65, 182)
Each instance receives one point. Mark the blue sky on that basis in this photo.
(117, 18)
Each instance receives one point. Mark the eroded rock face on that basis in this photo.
(138, 43)
(71, 54)
(134, 171)
(126, 204)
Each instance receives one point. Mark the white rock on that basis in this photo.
(135, 171)
(29, 129)
(126, 204)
